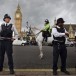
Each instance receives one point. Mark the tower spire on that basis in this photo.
(18, 7)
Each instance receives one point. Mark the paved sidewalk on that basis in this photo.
(36, 72)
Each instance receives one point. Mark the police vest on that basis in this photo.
(60, 39)
(47, 27)
(6, 31)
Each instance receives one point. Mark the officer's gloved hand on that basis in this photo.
(12, 39)
(67, 34)
(42, 30)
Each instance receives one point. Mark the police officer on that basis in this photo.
(59, 48)
(6, 31)
(46, 32)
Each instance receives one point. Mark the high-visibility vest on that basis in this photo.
(47, 27)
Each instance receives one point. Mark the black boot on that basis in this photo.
(1, 69)
(65, 71)
(45, 39)
(12, 71)
(54, 72)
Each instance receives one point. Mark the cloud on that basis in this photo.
(36, 11)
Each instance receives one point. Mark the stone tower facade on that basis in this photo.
(71, 33)
(18, 19)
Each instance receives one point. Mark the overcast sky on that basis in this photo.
(36, 11)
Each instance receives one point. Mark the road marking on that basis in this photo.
(42, 70)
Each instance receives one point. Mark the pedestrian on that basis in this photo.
(6, 39)
(59, 47)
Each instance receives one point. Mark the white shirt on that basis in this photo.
(56, 33)
(13, 29)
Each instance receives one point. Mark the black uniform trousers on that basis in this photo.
(6, 46)
(59, 49)
(46, 34)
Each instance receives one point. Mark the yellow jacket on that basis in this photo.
(47, 27)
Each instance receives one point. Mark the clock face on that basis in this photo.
(17, 15)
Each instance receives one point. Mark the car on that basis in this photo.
(33, 43)
(19, 42)
(69, 43)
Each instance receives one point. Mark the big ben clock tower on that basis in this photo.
(18, 19)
